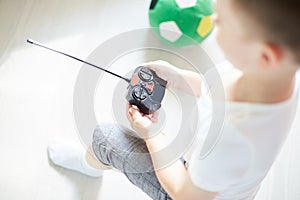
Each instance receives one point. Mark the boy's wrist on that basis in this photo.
(188, 82)
(175, 79)
(156, 142)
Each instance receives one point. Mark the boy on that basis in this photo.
(260, 39)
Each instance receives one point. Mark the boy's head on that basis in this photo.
(259, 33)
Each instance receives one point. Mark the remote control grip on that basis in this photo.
(146, 90)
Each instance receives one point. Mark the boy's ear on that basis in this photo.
(270, 56)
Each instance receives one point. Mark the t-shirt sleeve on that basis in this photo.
(225, 165)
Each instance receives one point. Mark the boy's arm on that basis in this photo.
(174, 178)
(183, 80)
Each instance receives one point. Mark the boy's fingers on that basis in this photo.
(136, 117)
(151, 66)
(135, 114)
(154, 117)
(127, 112)
(155, 65)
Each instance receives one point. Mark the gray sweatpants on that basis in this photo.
(129, 155)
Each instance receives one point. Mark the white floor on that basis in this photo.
(36, 91)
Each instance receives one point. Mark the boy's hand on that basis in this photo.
(179, 79)
(139, 121)
(165, 71)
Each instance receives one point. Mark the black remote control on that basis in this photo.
(146, 90)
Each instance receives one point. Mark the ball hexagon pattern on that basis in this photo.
(170, 31)
(186, 3)
(181, 22)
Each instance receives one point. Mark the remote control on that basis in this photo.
(146, 90)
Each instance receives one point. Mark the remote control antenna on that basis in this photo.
(30, 41)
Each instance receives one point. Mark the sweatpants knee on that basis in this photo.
(114, 146)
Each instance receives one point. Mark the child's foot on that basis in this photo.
(72, 157)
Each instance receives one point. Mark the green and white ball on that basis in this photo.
(181, 22)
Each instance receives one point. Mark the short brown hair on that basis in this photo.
(279, 19)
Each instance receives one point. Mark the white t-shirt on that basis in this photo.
(251, 137)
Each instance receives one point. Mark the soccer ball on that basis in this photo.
(181, 22)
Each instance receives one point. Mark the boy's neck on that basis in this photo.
(256, 88)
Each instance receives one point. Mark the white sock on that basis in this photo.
(71, 156)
